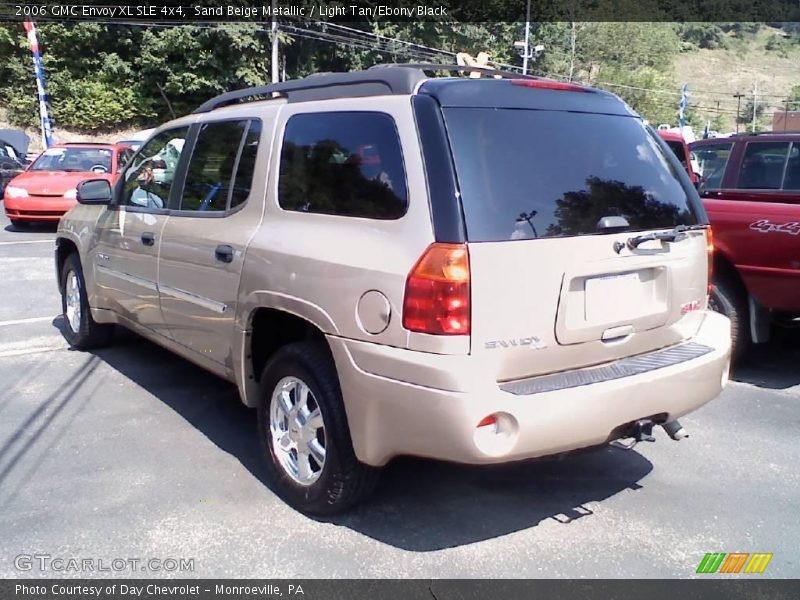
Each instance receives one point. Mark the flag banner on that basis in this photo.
(41, 87)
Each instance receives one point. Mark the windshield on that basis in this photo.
(527, 174)
(97, 160)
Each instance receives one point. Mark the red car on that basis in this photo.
(678, 145)
(46, 189)
(751, 190)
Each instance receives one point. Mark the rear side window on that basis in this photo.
(220, 170)
(763, 165)
(528, 174)
(711, 160)
(343, 163)
(792, 179)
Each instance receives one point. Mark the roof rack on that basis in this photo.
(487, 70)
(379, 80)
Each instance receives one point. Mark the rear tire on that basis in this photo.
(304, 431)
(80, 329)
(728, 299)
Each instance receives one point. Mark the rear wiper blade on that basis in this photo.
(666, 236)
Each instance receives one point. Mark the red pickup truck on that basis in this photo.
(750, 185)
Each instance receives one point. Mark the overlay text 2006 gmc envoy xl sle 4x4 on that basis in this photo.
(476, 270)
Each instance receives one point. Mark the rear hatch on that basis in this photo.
(550, 199)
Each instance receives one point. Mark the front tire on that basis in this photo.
(80, 329)
(727, 299)
(304, 431)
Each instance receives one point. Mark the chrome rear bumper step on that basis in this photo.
(626, 367)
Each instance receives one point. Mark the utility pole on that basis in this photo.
(274, 60)
(755, 101)
(527, 39)
(738, 97)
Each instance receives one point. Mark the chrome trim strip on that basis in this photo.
(146, 283)
(207, 303)
(626, 367)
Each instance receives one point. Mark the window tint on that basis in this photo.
(211, 169)
(762, 165)
(678, 151)
(123, 157)
(148, 178)
(792, 179)
(711, 160)
(247, 165)
(345, 163)
(529, 174)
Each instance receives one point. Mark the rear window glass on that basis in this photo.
(528, 174)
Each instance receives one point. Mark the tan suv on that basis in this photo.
(474, 270)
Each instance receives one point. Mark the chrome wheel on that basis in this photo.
(72, 296)
(297, 431)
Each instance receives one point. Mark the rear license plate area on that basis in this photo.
(619, 298)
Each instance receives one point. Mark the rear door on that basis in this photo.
(550, 200)
(203, 243)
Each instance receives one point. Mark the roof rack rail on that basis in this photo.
(487, 70)
(378, 80)
(324, 86)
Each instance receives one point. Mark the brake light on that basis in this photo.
(710, 253)
(437, 298)
(549, 84)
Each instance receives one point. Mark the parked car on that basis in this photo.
(471, 270)
(750, 185)
(137, 139)
(678, 145)
(46, 190)
(13, 146)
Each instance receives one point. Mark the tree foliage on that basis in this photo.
(108, 76)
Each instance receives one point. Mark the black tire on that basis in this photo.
(18, 224)
(343, 480)
(729, 299)
(89, 334)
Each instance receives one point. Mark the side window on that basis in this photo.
(711, 159)
(762, 165)
(343, 163)
(148, 178)
(792, 179)
(122, 158)
(220, 171)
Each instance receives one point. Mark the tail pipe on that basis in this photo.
(675, 430)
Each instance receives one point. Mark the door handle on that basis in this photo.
(224, 253)
(148, 238)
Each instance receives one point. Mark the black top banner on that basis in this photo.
(343, 11)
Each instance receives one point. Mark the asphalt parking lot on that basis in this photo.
(131, 452)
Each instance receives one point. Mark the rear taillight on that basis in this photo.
(438, 292)
(710, 253)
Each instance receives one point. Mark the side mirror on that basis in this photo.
(94, 191)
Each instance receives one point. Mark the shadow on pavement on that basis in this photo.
(420, 505)
(774, 365)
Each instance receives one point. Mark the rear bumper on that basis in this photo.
(437, 415)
